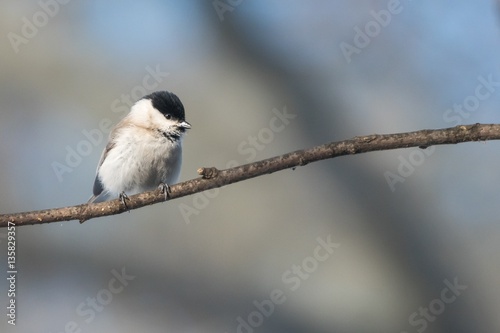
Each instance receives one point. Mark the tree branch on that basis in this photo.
(212, 177)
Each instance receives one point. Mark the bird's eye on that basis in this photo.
(168, 116)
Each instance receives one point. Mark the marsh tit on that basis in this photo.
(144, 149)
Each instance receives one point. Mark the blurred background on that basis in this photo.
(397, 241)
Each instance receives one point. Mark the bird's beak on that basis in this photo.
(184, 125)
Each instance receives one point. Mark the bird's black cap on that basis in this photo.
(167, 103)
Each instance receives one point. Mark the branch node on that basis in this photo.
(208, 173)
(369, 138)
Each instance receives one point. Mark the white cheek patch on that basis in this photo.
(144, 114)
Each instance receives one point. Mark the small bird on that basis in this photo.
(144, 149)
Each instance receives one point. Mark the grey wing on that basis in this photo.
(98, 186)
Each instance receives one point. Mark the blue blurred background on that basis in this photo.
(257, 79)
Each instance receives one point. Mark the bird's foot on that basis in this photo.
(165, 189)
(123, 199)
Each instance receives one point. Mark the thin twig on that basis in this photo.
(212, 177)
